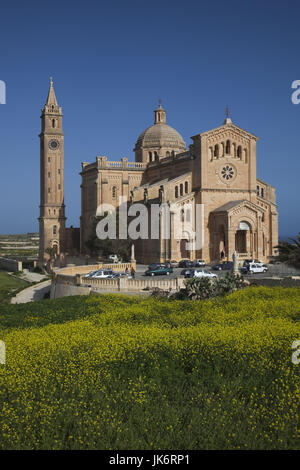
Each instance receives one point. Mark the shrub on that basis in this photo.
(206, 288)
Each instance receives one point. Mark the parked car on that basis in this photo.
(158, 271)
(223, 266)
(113, 258)
(103, 274)
(244, 270)
(256, 268)
(248, 261)
(90, 274)
(199, 262)
(185, 263)
(156, 265)
(201, 273)
(174, 264)
(185, 270)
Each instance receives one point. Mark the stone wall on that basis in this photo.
(72, 281)
(11, 264)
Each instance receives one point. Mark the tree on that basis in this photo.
(104, 248)
(290, 252)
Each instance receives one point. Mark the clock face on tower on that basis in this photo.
(53, 144)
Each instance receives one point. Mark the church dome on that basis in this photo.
(160, 135)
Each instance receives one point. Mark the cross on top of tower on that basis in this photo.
(227, 118)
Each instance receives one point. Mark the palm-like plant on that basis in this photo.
(289, 252)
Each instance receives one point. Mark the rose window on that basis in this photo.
(227, 172)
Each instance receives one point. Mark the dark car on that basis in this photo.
(158, 271)
(184, 271)
(185, 263)
(223, 266)
(188, 273)
(244, 269)
(156, 265)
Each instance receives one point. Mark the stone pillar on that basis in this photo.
(132, 253)
(235, 259)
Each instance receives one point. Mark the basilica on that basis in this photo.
(216, 171)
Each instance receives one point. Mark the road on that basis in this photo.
(32, 293)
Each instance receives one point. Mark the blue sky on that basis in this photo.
(112, 61)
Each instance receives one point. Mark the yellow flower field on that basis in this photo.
(117, 372)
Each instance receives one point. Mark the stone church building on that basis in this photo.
(217, 171)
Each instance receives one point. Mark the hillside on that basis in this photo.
(117, 372)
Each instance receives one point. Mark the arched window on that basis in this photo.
(181, 189)
(262, 192)
(257, 190)
(182, 215)
(114, 192)
(216, 151)
(239, 152)
(234, 149)
(150, 156)
(54, 229)
(176, 191)
(186, 187)
(188, 215)
(156, 156)
(53, 123)
(227, 147)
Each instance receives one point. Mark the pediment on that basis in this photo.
(240, 207)
(228, 131)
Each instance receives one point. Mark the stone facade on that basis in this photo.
(217, 171)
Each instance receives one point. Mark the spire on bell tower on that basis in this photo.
(160, 114)
(51, 105)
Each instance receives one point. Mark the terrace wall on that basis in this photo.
(11, 265)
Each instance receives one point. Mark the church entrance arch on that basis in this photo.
(242, 237)
(184, 252)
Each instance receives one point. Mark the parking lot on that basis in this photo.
(274, 270)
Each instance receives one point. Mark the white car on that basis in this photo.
(199, 262)
(257, 268)
(103, 274)
(201, 273)
(91, 274)
(113, 258)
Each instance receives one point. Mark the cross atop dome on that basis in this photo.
(160, 113)
(227, 118)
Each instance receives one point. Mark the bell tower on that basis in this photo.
(52, 208)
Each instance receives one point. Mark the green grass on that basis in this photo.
(117, 372)
(9, 286)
